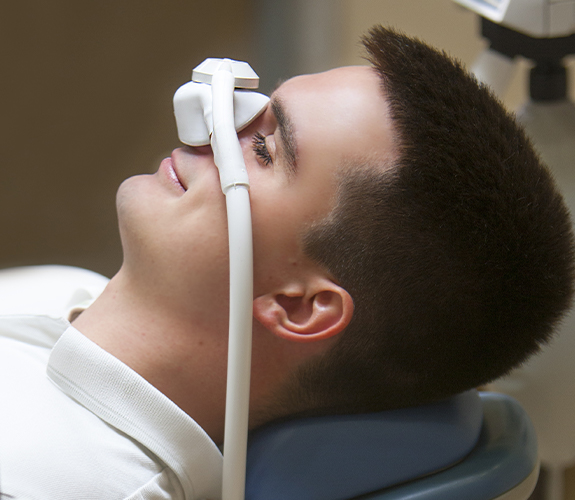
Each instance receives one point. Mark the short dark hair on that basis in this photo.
(459, 257)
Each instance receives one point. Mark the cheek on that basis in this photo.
(276, 226)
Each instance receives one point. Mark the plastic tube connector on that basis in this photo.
(244, 76)
(228, 155)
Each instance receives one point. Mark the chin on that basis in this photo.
(135, 217)
(129, 191)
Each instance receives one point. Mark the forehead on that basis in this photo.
(342, 79)
(342, 112)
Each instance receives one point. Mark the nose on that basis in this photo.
(199, 150)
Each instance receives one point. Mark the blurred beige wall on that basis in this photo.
(86, 92)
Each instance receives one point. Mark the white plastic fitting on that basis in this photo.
(244, 76)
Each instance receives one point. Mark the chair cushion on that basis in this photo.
(503, 465)
(340, 457)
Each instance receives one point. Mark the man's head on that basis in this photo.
(173, 225)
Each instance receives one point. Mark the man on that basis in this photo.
(408, 245)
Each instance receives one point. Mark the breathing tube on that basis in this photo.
(209, 110)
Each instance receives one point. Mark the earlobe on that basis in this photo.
(306, 315)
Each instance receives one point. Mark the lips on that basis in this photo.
(168, 168)
(181, 167)
(177, 177)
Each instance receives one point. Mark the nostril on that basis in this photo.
(200, 150)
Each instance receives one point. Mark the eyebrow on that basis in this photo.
(288, 142)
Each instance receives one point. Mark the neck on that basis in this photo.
(185, 360)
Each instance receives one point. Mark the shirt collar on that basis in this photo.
(118, 395)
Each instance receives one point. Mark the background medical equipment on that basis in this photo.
(543, 32)
(209, 111)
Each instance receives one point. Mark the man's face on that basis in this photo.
(173, 223)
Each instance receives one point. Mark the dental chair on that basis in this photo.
(473, 446)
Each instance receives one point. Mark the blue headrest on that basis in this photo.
(503, 464)
(340, 457)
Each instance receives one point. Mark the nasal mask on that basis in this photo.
(209, 110)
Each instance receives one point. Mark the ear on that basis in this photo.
(305, 313)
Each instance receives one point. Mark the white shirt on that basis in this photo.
(76, 423)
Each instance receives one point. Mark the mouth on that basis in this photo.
(177, 178)
(169, 169)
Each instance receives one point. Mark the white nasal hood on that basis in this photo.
(193, 102)
(193, 110)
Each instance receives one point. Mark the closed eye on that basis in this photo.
(261, 149)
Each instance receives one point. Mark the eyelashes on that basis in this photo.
(260, 148)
